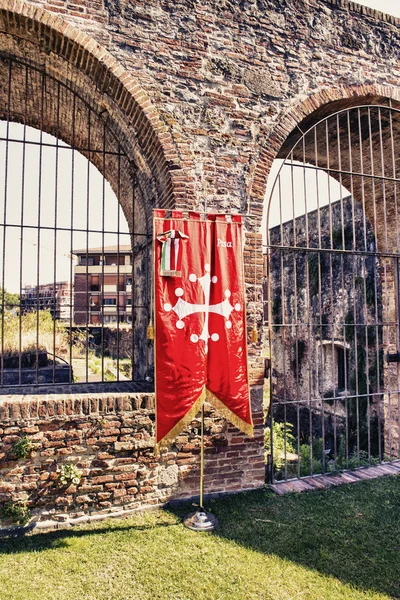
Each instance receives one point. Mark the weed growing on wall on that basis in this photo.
(23, 448)
(69, 474)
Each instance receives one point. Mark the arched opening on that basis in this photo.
(332, 244)
(75, 238)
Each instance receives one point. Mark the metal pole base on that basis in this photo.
(201, 521)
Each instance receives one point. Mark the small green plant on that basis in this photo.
(310, 465)
(95, 365)
(125, 367)
(17, 512)
(69, 474)
(23, 448)
(284, 443)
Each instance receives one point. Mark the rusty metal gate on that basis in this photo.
(74, 239)
(332, 285)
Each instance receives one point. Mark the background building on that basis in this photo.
(103, 285)
(55, 297)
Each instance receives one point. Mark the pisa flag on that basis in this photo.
(200, 326)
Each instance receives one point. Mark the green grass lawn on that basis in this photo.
(342, 543)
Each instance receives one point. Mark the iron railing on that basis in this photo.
(333, 397)
(74, 240)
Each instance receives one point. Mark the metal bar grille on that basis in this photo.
(333, 297)
(74, 240)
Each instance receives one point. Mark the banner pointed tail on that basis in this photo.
(227, 371)
(180, 364)
(200, 331)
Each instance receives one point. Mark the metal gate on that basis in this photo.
(333, 297)
(74, 239)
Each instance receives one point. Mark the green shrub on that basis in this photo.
(320, 456)
(305, 458)
(284, 443)
(10, 301)
(125, 367)
(16, 512)
(95, 365)
(109, 376)
(37, 333)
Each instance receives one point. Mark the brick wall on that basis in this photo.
(201, 96)
(110, 438)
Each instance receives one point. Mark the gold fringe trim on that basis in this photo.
(247, 428)
(184, 422)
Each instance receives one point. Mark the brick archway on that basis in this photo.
(302, 117)
(72, 57)
(60, 81)
(354, 141)
(291, 126)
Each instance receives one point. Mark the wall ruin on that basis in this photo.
(202, 97)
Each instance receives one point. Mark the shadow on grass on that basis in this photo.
(349, 532)
(57, 539)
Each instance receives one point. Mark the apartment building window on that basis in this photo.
(86, 260)
(109, 301)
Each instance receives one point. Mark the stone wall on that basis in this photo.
(110, 439)
(202, 97)
(335, 296)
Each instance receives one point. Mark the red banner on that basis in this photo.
(200, 323)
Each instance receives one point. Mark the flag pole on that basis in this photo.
(202, 458)
(201, 520)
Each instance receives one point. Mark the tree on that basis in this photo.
(9, 300)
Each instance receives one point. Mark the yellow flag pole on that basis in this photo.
(201, 520)
(202, 458)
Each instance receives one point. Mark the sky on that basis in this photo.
(392, 7)
(46, 253)
(23, 191)
(307, 188)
